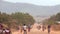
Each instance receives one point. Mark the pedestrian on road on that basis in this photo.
(43, 28)
(39, 27)
(29, 28)
(21, 29)
(3, 32)
(49, 26)
(25, 28)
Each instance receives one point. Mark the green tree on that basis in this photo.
(23, 18)
(15, 19)
(53, 19)
(58, 17)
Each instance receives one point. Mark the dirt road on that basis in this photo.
(34, 30)
(38, 32)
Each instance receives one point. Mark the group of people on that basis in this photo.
(8, 31)
(44, 27)
(25, 28)
(4, 31)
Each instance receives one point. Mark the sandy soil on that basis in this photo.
(34, 30)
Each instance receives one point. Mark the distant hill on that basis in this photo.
(29, 8)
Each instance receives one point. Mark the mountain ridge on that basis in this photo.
(29, 8)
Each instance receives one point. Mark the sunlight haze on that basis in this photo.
(37, 2)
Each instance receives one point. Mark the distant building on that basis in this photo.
(58, 22)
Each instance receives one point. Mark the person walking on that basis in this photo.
(39, 27)
(21, 29)
(25, 28)
(29, 28)
(3, 32)
(49, 26)
(43, 28)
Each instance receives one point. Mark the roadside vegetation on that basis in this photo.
(16, 19)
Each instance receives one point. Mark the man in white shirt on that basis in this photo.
(25, 29)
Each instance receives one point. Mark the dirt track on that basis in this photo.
(34, 30)
(37, 32)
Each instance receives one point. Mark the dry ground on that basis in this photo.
(34, 30)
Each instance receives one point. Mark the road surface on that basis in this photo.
(34, 30)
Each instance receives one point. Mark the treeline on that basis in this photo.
(53, 19)
(54, 22)
(16, 19)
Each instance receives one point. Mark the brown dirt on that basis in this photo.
(34, 30)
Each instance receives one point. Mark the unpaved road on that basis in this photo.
(38, 32)
(34, 30)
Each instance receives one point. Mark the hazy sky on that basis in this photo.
(37, 2)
